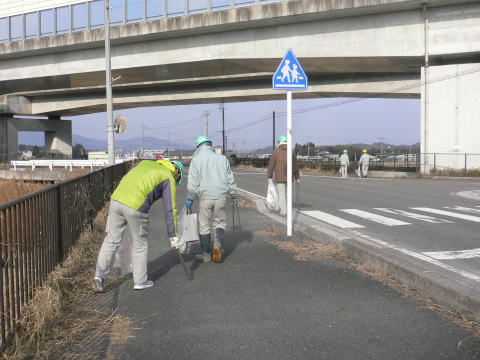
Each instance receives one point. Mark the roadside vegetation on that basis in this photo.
(65, 320)
(13, 189)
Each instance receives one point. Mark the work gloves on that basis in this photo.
(188, 204)
(178, 243)
(234, 197)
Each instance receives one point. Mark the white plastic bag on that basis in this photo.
(187, 226)
(272, 197)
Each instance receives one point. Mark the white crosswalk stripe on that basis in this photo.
(415, 216)
(375, 217)
(448, 213)
(333, 220)
(462, 208)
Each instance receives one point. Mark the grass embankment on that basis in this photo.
(65, 313)
(13, 189)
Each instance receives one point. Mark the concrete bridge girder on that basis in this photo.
(247, 46)
(250, 89)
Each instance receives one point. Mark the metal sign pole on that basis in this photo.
(108, 85)
(289, 163)
(289, 76)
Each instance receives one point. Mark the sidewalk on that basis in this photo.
(263, 303)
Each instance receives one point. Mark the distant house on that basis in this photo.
(180, 155)
(26, 155)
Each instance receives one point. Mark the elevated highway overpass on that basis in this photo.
(349, 48)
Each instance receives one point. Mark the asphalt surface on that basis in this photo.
(262, 303)
(435, 237)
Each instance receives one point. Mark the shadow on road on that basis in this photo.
(162, 264)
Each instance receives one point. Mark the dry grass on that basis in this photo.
(320, 171)
(13, 189)
(63, 312)
(305, 249)
(245, 203)
(271, 231)
(308, 250)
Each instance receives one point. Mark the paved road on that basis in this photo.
(424, 217)
(261, 303)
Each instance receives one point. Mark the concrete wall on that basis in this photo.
(14, 7)
(450, 123)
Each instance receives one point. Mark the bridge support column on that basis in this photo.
(450, 131)
(58, 135)
(8, 139)
(59, 140)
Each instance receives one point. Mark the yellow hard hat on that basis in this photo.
(364, 150)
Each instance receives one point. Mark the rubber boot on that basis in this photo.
(205, 256)
(217, 245)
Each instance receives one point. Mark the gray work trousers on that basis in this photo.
(282, 197)
(211, 211)
(364, 170)
(119, 216)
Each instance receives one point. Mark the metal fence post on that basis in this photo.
(465, 164)
(435, 163)
(59, 235)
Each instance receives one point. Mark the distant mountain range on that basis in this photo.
(33, 138)
(128, 144)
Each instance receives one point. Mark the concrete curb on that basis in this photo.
(446, 288)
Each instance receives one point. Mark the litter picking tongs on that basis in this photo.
(235, 210)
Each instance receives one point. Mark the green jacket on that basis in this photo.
(146, 183)
(209, 176)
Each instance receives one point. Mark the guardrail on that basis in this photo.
(61, 163)
(89, 15)
(37, 232)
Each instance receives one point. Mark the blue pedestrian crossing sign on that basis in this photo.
(290, 75)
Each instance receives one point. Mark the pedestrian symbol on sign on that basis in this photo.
(290, 75)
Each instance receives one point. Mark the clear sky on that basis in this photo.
(395, 121)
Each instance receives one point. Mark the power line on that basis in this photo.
(353, 100)
(175, 125)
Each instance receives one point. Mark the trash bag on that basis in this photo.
(187, 226)
(272, 197)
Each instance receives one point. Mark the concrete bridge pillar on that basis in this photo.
(8, 139)
(58, 135)
(450, 126)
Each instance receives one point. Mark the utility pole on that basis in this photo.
(108, 86)
(168, 144)
(222, 109)
(206, 114)
(143, 141)
(273, 126)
